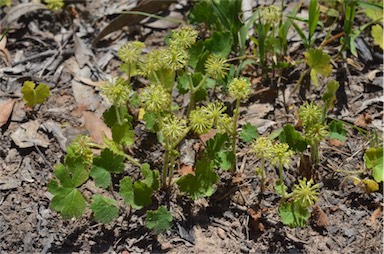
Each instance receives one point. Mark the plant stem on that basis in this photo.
(117, 110)
(132, 160)
(193, 92)
(165, 165)
(234, 132)
(281, 182)
(262, 174)
(171, 167)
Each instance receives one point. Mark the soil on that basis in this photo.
(56, 49)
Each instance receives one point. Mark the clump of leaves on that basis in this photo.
(33, 95)
(54, 5)
(159, 220)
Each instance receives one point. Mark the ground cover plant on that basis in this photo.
(236, 127)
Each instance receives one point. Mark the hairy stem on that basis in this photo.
(281, 182)
(234, 132)
(166, 164)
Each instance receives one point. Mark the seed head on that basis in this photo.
(305, 193)
(130, 52)
(216, 67)
(240, 89)
(118, 91)
(155, 98)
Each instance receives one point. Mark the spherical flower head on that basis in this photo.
(216, 66)
(174, 58)
(306, 193)
(118, 91)
(55, 5)
(240, 89)
(224, 123)
(281, 154)
(173, 127)
(183, 38)
(315, 133)
(200, 120)
(130, 52)
(152, 62)
(271, 14)
(262, 148)
(81, 146)
(310, 114)
(215, 110)
(155, 98)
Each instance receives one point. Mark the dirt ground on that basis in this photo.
(56, 49)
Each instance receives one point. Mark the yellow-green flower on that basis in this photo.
(224, 123)
(130, 52)
(240, 89)
(183, 38)
(174, 59)
(81, 146)
(315, 133)
(310, 114)
(216, 66)
(262, 148)
(305, 193)
(173, 127)
(54, 5)
(118, 91)
(281, 154)
(152, 62)
(215, 110)
(155, 98)
(271, 14)
(200, 120)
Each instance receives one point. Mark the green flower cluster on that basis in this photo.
(118, 91)
(240, 89)
(271, 14)
(310, 115)
(281, 154)
(130, 52)
(262, 148)
(81, 146)
(216, 67)
(306, 193)
(183, 38)
(155, 98)
(54, 5)
(173, 127)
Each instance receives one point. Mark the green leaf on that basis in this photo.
(151, 177)
(294, 214)
(293, 138)
(109, 161)
(280, 187)
(319, 62)
(123, 134)
(142, 194)
(202, 183)
(373, 158)
(69, 203)
(104, 209)
(248, 133)
(126, 191)
(215, 148)
(183, 83)
(159, 220)
(101, 176)
(113, 146)
(54, 187)
(329, 96)
(73, 173)
(337, 131)
(32, 96)
(226, 159)
(110, 117)
(220, 43)
(377, 35)
(150, 121)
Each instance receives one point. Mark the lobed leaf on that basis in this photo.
(32, 95)
(69, 203)
(104, 209)
(159, 220)
(337, 131)
(373, 158)
(101, 176)
(319, 62)
(248, 133)
(109, 161)
(293, 138)
(294, 214)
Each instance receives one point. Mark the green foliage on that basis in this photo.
(337, 131)
(33, 95)
(118, 119)
(201, 184)
(104, 209)
(218, 151)
(373, 158)
(138, 194)
(248, 133)
(68, 202)
(293, 138)
(159, 220)
(54, 5)
(320, 64)
(104, 165)
(377, 35)
(294, 214)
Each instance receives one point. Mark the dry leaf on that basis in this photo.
(4, 52)
(363, 120)
(319, 217)
(185, 170)
(89, 81)
(27, 135)
(96, 127)
(377, 214)
(336, 142)
(305, 166)
(207, 136)
(19, 10)
(6, 111)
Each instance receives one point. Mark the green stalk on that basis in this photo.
(117, 110)
(262, 174)
(171, 167)
(165, 165)
(281, 182)
(193, 92)
(132, 160)
(234, 132)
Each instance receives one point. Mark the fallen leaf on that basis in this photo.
(207, 136)
(363, 120)
(89, 81)
(6, 109)
(185, 170)
(57, 132)
(5, 55)
(85, 95)
(336, 142)
(372, 75)
(377, 214)
(27, 135)
(19, 10)
(319, 217)
(96, 127)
